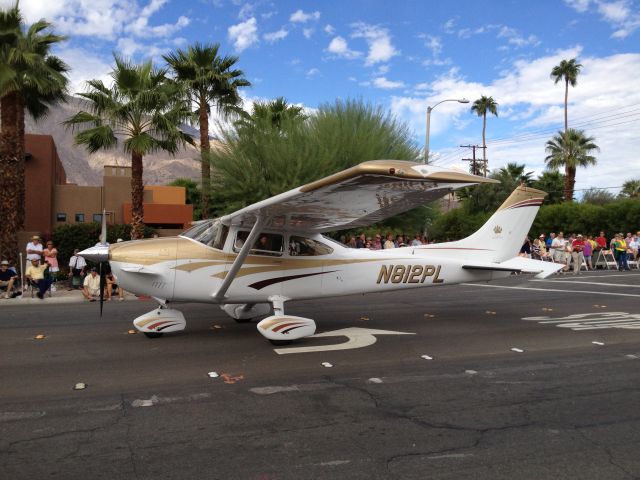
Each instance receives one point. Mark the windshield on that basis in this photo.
(209, 232)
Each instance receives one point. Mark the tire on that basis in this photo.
(243, 320)
(153, 334)
(280, 343)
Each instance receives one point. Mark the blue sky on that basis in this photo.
(404, 56)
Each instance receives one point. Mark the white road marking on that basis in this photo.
(588, 276)
(357, 338)
(592, 321)
(551, 290)
(589, 283)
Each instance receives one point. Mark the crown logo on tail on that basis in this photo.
(497, 229)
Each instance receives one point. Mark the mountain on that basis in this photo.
(84, 169)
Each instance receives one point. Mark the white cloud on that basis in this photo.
(105, 19)
(85, 65)
(246, 11)
(382, 69)
(382, 82)
(329, 30)
(312, 72)
(307, 32)
(379, 41)
(449, 26)
(578, 5)
(339, 47)
(619, 14)
(244, 34)
(300, 17)
(529, 101)
(275, 36)
(514, 38)
(434, 45)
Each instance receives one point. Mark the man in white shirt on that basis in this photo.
(91, 286)
(559, 246)
(34, 250)
(76, 265)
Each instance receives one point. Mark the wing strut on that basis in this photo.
(242, 255)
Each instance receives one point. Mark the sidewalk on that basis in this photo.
(61, 295)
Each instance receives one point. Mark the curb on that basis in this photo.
(9, 302)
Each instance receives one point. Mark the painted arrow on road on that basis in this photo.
(356, 338)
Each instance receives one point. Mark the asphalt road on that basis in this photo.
(558, 406)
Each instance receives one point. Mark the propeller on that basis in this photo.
(103, 264)
(99, 253)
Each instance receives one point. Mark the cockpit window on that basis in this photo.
(307, 247)
(209, 232)
(266, 244)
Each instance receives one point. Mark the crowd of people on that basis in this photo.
(42, 270)
(376, 242)
(578, 251)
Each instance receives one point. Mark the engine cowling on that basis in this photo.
(286, 327)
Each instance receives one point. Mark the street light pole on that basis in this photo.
(426, 143)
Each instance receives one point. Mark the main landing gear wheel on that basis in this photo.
(280, 343)
(153, 334)
(244, 320)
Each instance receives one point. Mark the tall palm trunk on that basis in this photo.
(21, 165)
(569, 173)
(569, 183)
(484, 144)
(137, 195)
(10, 177)
(204, 157)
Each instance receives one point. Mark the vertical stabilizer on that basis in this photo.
(504, 233)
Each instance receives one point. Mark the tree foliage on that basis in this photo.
(552, 182)
(597, 196)
(261, 159)
(630, 189)
(143, 107)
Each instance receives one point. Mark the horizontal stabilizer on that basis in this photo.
(519, 265)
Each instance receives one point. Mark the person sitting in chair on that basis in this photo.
(35, 274)
(7, 278)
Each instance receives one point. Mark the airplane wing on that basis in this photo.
(362, 195)
(519, 265)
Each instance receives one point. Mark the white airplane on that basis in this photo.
(258, 258)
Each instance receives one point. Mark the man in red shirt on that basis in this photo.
(577, 247)
(601, 241)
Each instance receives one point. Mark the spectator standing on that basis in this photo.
(361, 241)
(51, 257)
(559, 246)
(416, 242)
(620, 251)
(588, 252)
(77, 265)
(389, 242)
(7, 278)
(633, 247)
(549, 242)
(577, 253)
(525, 250)
(34, 250)
(535, 248)
(377, 242)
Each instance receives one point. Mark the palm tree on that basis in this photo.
(516, 172)
(144, 108)
(568, 71)
(551, 182)
(631, 189)
(31, 78)
(481, 107)
(570, 149)
(209, 79)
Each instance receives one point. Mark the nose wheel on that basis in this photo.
(152, 334)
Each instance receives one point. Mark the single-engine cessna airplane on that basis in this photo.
(258, 258)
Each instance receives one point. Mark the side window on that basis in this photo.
(266, 244)
(306, 247)
(221, 238)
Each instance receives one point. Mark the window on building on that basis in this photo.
(97, 217)
(307, 247)
(79, 217)
(61, 217)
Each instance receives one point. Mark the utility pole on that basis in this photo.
(476, 166)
